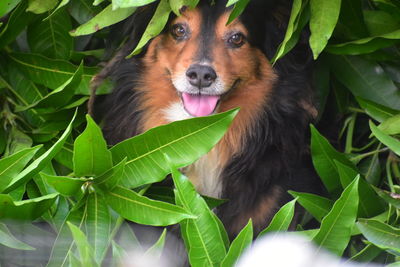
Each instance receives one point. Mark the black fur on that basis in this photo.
(277, 153)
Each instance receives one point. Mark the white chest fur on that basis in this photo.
(205, 172)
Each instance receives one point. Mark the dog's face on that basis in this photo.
(207, 60)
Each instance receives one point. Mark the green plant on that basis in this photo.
(56, 173)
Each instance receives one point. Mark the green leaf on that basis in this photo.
(98, 225)
(7, 5)
(366, 79)
(178, 4)
(53, 73)
(83, 10)
(36, 166)
(380, 234)
(8, 240)
(156, 25)
(84, 248)
(111, 178)
(298, 18)
(58, 8)
(380, 22)
(28, 210)
(66, 186)
(239, 244)
(392, 143)
(105, 18)
(143, 210)
(376, 111)
(336, 227)
(365, 45)
(91, 156)
(129, 3)
(324, 16)
(183, 142)
(10, 166)
(237, 10)
(155, 250)
(389, 197)
(41, 6)
(323, 156)
(204, 239)
(282, 218)
(50, 37)
(391, 125)
(317, 206)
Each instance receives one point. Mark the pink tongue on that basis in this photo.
(199, 105)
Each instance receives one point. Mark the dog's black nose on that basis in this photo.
(201, 75)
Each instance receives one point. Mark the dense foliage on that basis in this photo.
(71, 194)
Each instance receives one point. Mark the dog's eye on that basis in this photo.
(236, 40)
(178, 31)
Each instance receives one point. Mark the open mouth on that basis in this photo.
(199, 105)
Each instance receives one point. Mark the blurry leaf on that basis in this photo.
(324, 15)
(105, 18)
(50, 37)
(282, 219)
(380, 234)
(66, 186)
(118, 254)
(41, 6)
(91, 156)
(98, 225)
(231, 2)
(8, 240)
(155, 250)
(371, 169)
(205, 242)
(83, 10)
(298, 17)
(237, 10)
(19, 192)
(53, 73)
(376, 111)
(10, 166)
(16, 24)
(391, 126)
(37, 165)
(111, 177)
(143, 210)
(336, 227)
(365, 45)
(17, 141)
(84, 248)
(367, 254)
(7, 5)
(155, 26)
(183, 142)
(392, 143)
(58, 8)
(366, 79)
(176, 5)
(351, 24)
(239, 244)
(127, 238)
(317, 206)
(28, 210)
(323, 156)
(389, 197)
(128, 3)
(379, 22)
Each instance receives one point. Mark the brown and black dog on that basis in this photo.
(200, 65)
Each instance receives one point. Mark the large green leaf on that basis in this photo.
(53, 73)
(391, 125)
(85, 249)
(143, 210)
(50, 37)
(129, 3)
(380, 234)
(204, 239)
(183, 142)
(111, 178)
(41, 6)
(8, 240)
(366, 79)
(156, 25)
(36, 166)
(239, 244)
(389, 197)
(10, 166)
(324, 15)
(66, 186)
(98, 225)
(91, 156)
(336, 226)
(387, 140)
(83, 10)
(282, 219)
(28, 210)
(376, 111)
(105, 18)
(317, 206)
(7, 5)
(237, 10)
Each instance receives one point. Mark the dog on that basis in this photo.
(200, 65)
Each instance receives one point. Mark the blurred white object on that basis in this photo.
(290, 250)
